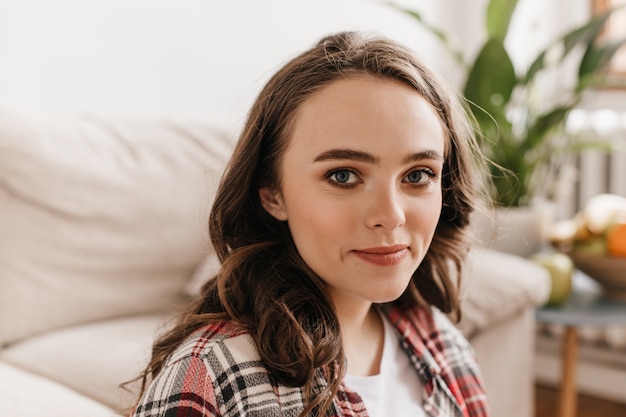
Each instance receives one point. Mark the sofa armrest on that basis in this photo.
(497, 286)
(505, 352)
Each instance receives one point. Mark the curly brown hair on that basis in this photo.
(263, 283)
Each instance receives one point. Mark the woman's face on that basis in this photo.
(361, 186)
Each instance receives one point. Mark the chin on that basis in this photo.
(388, 295)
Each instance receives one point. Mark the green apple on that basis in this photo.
(596, 246)
(561, 269)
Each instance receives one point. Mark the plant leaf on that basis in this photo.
(545, 124)
(490, 82)
(587, 32)
(597, 58)
(582, 35)
(499, 13)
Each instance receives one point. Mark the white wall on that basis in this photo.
(182, 57)
(204, 58)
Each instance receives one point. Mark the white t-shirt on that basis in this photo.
(396, 390)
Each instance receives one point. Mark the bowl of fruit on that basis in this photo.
(595, 239)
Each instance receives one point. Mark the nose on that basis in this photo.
(385, 209)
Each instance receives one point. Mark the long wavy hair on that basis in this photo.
(263, 284)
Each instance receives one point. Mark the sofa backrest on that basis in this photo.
(100, 217)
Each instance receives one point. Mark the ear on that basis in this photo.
(273, 203)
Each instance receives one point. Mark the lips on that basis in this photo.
(384, 255)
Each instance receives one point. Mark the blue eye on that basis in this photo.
(420, 177)
(415, 176)
(342, 177)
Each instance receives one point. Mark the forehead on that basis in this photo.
(350, 110)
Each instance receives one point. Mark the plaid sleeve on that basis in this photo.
(217, 372)
(445, 361)
(183, 388)
(459, 367)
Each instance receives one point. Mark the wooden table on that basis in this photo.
(587, 306)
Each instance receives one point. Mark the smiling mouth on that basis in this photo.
(383, 256)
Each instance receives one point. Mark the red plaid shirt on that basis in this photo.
(218, 372)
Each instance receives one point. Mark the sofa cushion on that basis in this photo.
(100, 217)
(24, 394)
(92, 359)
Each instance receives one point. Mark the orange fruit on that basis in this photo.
(616, 240)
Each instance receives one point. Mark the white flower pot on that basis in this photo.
(518, 230)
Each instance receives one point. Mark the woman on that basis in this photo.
(340, 223)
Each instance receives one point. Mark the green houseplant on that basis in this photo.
(522, 130)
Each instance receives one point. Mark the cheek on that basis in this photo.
(313, 220)
(426, 216)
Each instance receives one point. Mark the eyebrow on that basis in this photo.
(348, 154)
(420, 156)
(353, 155)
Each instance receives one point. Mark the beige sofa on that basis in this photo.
(103, 234)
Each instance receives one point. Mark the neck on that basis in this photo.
(362, 332)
